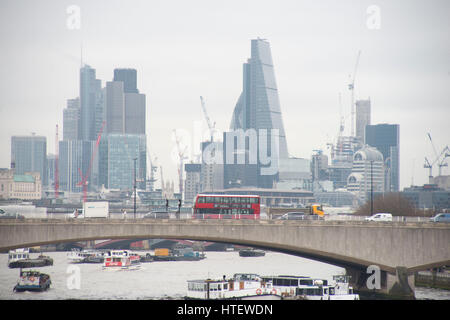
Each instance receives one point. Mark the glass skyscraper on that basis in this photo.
(258, 108)
(385, 137)
(91, 104)
(117, 152)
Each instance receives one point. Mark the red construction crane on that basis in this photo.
(84, 178)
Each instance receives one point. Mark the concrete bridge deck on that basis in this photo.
(354, 245)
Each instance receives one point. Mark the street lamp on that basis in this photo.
(371, 187)
(134, 187)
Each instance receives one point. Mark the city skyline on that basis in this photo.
(406, 83)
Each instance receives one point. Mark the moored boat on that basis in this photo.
(121, 260)
(251, 253)
(243, 286)
(299, 287)
(31, 280)
(85, 256)
(20, 258)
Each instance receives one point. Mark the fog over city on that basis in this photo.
(186, 49)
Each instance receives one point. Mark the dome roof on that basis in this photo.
(368, 153)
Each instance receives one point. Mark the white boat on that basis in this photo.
(313, 289)
(18, 255)
(85, 256)
(121, 260)
(243, 286)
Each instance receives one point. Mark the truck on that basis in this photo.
(93, 209)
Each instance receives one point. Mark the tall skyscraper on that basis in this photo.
(115, 107)
(135, 113)
(71, 120)
(386, 138)
(128, 77)
(258, 108)
(29, 154)
(362, 118)
(90, 104)
(75, 156)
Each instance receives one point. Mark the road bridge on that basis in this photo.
(398, 249)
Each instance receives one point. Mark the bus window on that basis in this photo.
(235, 200)
(225, 200)
(209, 199)
(201, 200)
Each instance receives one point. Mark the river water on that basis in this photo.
(164, 280)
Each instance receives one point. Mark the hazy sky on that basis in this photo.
(185, 49)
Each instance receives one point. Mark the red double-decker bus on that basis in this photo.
(221, 206)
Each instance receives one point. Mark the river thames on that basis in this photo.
(163, 280)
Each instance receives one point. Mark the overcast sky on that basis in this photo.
(186, 49)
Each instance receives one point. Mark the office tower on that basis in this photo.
(29, 154)
(115, 107)
(192, 185)
(295, 173)
(258, 107)
(125, 112)
(71, 120)
(90, 104)
(128, 77)
(77, 156)
(386, 138)
(362, 118)
(117, 154)
(212, 168)
(135, 113)
(367, 173)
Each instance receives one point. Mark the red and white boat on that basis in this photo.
(121, 260)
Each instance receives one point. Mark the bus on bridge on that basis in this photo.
(220, 206)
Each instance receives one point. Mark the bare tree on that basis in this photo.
(393, 203)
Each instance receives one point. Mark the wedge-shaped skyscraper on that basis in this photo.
(258, 106)
(258, 110)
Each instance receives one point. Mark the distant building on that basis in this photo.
(115, 107)
(27, 186)
(362, 118)
(294, 173)
(337, 198)
(386, 138)
(367, 173)
(75, 156)
(192, 185)
(428, 196)
(71, 120)
(258, 109)
(212, 167)
(442, 182)
(116, 168)
(91, 104)
(128, 77)
(135, 110)
(29, 154)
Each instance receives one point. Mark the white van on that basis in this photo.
(380, 217)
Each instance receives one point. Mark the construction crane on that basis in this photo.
(182, 157)
(153, 168)
(208, 120)
(56, 173)
(351, 87)
(84, 178)
(428, 165)
(441, 163)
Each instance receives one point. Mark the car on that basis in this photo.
(157, 215)
(441, 217)
(7, 215)
(292, 216)
(380, 217)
